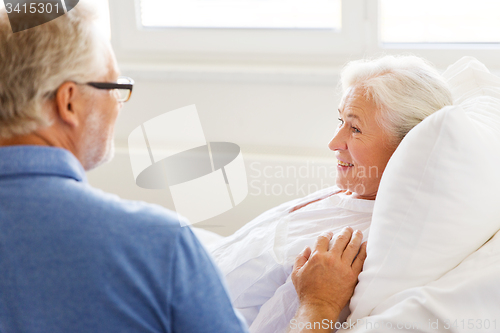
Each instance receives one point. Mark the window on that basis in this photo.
(440, 21)
(310, 33)
(238, 30)
(292, 14)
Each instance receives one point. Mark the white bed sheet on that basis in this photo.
(257, 260)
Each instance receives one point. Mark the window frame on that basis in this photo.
(303, 47)
(440, 54)
(132, 41)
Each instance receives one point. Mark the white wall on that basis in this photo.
(281, 120)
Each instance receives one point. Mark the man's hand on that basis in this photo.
(325, 278)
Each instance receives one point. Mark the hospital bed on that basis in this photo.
(433, 252)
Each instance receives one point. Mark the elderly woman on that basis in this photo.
(383, 100)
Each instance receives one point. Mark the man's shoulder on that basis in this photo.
(104, 210)
(132, 224)
(131, 210)
(53, 201)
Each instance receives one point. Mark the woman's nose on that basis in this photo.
(338, 142)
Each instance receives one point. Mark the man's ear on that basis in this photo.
(68, 100)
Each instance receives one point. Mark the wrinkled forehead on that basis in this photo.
(355, 98)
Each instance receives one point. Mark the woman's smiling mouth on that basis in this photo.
(344, 164)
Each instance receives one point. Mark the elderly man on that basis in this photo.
(75, 259)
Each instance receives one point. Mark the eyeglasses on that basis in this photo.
(123, 87)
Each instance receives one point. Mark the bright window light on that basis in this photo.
(279, 14)
(440, 21)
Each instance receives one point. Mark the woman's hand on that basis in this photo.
(325, 278)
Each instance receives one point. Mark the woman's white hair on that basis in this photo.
(406, 89)
(35, 62)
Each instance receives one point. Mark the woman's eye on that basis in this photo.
(354, 129)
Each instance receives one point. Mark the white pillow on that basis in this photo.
(438, 199)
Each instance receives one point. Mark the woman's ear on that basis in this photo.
(68, 100)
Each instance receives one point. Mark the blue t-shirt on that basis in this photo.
(76, 259)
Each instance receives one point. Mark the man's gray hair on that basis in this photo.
(406, 89)
(35, 62)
